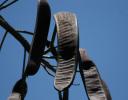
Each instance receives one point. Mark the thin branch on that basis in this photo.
(66, 94)
(45, 63)
(7, 5)
(47, 71)
(26, 32)
(53, 49)
(60, 95)
(24, 59)
(3, 3)
(21, 39)
(1, 44)
(2, 18)
(54, 52)
(14, 33)
(53, 36)
(47, 51)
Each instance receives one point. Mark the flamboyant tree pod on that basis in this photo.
(94, 86)
(67, 33)
(107, 92)
(39, 38)
(20, 88)
(15, 96)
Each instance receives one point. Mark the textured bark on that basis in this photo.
(94, 86)
(67, 49)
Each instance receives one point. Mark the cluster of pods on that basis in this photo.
(67, 55)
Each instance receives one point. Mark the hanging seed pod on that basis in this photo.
(15, 96)
(20, 87)
(107, 93)
(93, 84)
(39, 38)
(67, 32)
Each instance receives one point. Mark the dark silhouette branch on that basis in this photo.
(7, 5)
(60, 95)
(53, 35)
(48, 65)
(24, 59)
(66, 94)
(4, 2)
(26, 32)
(1, 44)
(14, 33)
(21, 39)
(47, 71)
(49, 49)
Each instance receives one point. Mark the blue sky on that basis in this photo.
(103, 26)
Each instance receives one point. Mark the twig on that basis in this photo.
(24, 59)
(14, 33)
(66, 94)
(1, 44)
(26, 32)
(45, 63)
(21, 39)
(47, 71)
(47, 51)
(53, 36)
(7, 5)
(3, 3)
(60, 95)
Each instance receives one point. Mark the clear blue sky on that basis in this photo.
(103, 26)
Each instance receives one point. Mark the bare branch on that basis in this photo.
(3, 3)
(26, 32)
(47, 51)
(7, 5)
(21, 39)
(60, 95)
(24, 59)
(1, 44)
(45, 63)
(53, 36)
(66, 94)
(14, 33)
(47, 71)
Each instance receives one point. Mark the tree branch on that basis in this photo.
(1, 44)
(3, 3)
(21, 39)
(47, 71)
(14, 33)
(48, 65)
(24, 59)
(26, 32)
(7, 5)
(66, 94)
(60, 95)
